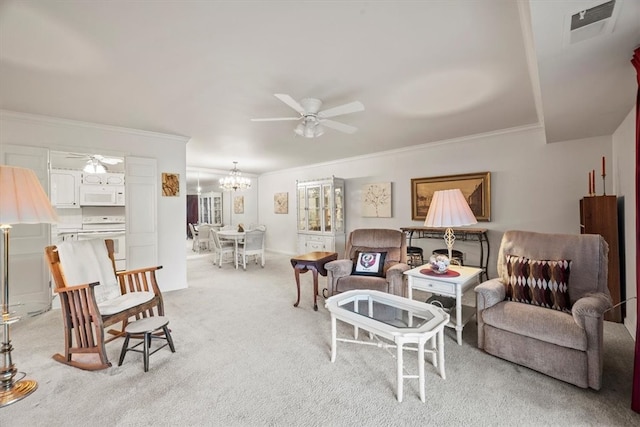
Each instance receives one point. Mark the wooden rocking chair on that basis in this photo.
(85, 317)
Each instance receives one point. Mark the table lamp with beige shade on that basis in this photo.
(449, 209)
(22, 201)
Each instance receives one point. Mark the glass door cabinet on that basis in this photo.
(321, 215)
(210, 208)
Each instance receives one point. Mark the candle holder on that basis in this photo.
(604, 187)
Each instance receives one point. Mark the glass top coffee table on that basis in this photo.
(397, 319)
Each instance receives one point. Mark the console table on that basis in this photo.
(463, 234)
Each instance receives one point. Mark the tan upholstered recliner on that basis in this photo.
(564, 345)
(393, 242)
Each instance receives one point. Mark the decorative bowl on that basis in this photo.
(439, 263)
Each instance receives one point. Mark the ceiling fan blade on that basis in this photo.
(76, 156)
(339, 126)
(290, 102)
(110, 161)
(276, 119)
(352, 107)
(106, 160)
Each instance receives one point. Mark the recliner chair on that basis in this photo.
(563, 343)
(393, 242)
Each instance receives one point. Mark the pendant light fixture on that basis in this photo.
(235, 181)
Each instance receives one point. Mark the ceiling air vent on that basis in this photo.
(588, 23)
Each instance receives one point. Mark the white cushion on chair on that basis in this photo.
(87, 261)
(124, 302)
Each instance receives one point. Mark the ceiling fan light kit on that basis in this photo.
(314, 121)
(94, 166)
(309, 129)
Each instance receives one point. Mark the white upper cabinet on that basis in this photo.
(65, 188)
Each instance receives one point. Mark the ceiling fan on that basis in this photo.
(314, 120)
(95, 162)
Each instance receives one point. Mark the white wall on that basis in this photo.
(168, 150)
(624, 180)
(250, 215)
(534, 186)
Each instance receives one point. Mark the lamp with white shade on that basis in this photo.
(448, 209)
(22, 201)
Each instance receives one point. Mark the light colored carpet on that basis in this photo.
(246, 357)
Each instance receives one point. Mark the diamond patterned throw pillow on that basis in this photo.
(539, 282)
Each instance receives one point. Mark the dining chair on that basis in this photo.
(221, 247)
(194, 236)
(203, 237)
(251, 246)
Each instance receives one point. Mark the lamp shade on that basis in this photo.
(22, 198)
(449, 208)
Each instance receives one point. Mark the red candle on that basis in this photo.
(603, 173)
(589, 179)
(593, 181)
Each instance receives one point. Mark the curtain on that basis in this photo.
(635, 393)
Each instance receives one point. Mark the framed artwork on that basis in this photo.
(238, 204)
(170, 184)
(376, 200)
(281, 203)
(476, 188)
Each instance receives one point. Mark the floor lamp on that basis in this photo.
(22, 201)
(449, 209)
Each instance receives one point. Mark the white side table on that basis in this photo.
(455, 287)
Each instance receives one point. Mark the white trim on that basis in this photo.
(75, 123)
(524, 11)
(518, 129)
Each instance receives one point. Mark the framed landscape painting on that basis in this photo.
(476, 188)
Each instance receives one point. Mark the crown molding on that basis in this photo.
(464, 139)
(56, 121)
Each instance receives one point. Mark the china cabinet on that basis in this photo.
(210, 208)
(321, 220)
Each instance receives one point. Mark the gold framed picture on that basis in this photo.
(476, 188)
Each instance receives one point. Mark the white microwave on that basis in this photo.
(101, 195)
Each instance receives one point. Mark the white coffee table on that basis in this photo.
(394, 318)
(455, 287)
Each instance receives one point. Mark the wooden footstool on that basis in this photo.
(144, 328)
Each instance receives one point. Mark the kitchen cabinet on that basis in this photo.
(109, 178)
(65, 188)
(320, 208)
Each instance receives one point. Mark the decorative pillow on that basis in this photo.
(369, 264)
(539, 282)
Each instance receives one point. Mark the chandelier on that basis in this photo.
(235, 180)
(310, 128)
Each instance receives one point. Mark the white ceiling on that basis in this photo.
(426, 71)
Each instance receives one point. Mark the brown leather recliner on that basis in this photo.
(393, 242)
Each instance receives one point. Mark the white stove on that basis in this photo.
(106, 227)
(103, 223)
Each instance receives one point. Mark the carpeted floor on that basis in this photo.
(246, 357)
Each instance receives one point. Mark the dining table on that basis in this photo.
(236, 236)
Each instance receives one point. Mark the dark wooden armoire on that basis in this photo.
(599, 215)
